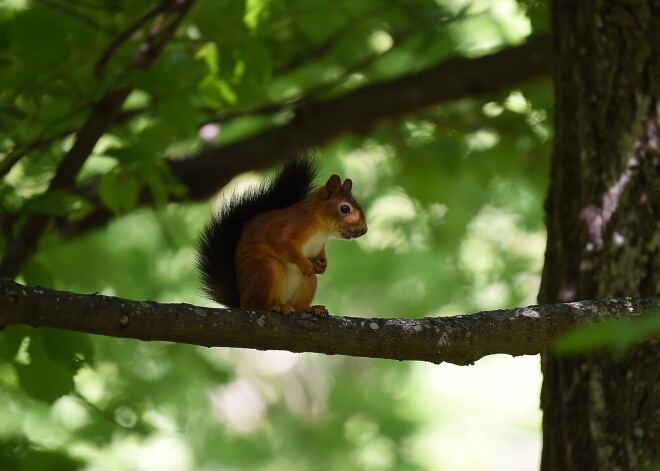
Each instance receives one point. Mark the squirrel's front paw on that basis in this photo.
(320, 264)
(308, 269)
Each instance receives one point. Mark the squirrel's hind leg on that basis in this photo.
(305, 295)
(260, 285)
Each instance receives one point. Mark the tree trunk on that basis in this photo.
(603, 216)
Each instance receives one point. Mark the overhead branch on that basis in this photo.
(101, 115)
(362, 109)
(26, 242)
(358, 111)
(459, 339)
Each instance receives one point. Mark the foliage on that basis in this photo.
(453, 197)
(616, 334)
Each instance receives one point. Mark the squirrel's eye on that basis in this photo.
(345, 209)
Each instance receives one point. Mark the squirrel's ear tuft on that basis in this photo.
(333, 185)
(348, 184)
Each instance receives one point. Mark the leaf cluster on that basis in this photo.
(453, 196)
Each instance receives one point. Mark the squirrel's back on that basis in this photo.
(218, 241)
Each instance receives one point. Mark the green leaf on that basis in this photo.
(153, 140)
(38, 39)
(56, 202)
(618, 334)
(255, 11)
(38, 273)
(11, 339)
(55, 109)
(179, 112)
(138, 158)
(158, 190)
(256, 60)
(18, 454)
(208, 53)
(44, 378)
(215, 92)
(71, 349)
(48, 461)
(119, 191)
(588, 338)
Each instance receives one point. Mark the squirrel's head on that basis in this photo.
(340, 207)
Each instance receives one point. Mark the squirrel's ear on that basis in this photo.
(333, 185)
(348, 184)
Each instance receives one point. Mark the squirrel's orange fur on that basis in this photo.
(265, 246)
(280, 252)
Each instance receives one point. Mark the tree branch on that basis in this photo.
(206, 172)
(124, 36)
(25, 244)
(460, 339)
(360, 110)
(102, 114)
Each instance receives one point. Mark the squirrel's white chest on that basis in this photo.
(315, 243)
(293, 279)
(294, 276)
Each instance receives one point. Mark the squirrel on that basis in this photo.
(264, 248)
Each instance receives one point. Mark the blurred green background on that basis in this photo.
(453, 196)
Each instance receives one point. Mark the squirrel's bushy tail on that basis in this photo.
(218, 241)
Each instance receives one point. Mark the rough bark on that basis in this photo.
(459, 339)
(603, 217)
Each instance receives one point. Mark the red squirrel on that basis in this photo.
(265, 247)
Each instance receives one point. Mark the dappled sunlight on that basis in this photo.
(419, 132)
(380, 41)
(390, 217)
(517, 103)
(488, 24)
(264, 379)
(94, 383)
(38, 427)
(452, 189)
(372, 451)
(368, 166)
(492, 295)
(482, 139)
(70, 413)
(494, 402)
(126, 417)
(239, 406)
(166, 452)
(494, 241)
(248, 395)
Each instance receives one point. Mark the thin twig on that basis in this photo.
(13, 157)
(126, 34)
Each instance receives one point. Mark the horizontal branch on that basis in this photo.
(459, 339)
(362, 109)
(358, 111)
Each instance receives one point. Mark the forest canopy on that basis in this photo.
(453, 188)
